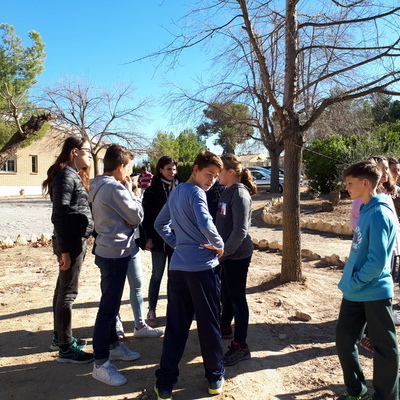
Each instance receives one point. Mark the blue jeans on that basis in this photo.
(66, 291)
(113, 274)
(135, 283)
(189, 294)
(158, 259)
(234, 303)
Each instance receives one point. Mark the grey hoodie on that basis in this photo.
(233, 222)
(116, 214)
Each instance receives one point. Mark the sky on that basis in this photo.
(96, 40)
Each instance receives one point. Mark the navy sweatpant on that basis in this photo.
(191, 294)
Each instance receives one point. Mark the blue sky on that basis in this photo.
(96, 39)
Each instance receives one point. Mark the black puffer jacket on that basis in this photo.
(71, 217)
(154, 198)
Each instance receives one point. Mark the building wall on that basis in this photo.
(46, 150)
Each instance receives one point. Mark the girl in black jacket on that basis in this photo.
(154, 198)
(67, 184)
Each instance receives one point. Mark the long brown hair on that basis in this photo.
(63, 160)
(244, 175)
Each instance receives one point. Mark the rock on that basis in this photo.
(21, 241)
(33, 239)
(7, 242)
(303, 316)
(275, 245)
(255, 241)
(326, 206)
(282, 336)
(44, 238)
(263, 244)
(310, 255)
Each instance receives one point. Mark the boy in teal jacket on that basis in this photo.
(367, 288)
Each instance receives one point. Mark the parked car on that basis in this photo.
(269, 169)
(262, 177)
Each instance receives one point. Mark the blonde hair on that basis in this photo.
(244, 175)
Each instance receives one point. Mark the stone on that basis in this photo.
(44, 238)
(303, 316)
(263, 244)
(21, 241)
(310, 255)
(326, 206)
(7, 242)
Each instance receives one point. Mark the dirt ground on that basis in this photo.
(291, 358)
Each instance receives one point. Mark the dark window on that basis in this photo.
(10, 166)
(34, 164)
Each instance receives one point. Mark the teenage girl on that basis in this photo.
(233, 224)
(67, 184)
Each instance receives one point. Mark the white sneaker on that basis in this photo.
(396, 318)
(108, 373)
(147, 331)
(119, 328)
(124, 353)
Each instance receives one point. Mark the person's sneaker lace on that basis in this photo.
(146, 332)
(123, 353)
(108, 374)
(236, 354)
(55, 344)
(74, 355)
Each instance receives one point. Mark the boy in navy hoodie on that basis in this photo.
(367, 288)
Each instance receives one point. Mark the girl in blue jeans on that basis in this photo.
(154, 198)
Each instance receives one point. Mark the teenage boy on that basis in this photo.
(193, 282)
(367, 288)
(116, 214)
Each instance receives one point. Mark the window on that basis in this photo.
(10, 166)
(34, 164)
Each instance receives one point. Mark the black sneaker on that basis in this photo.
(236, 354)
(74, 355)
(55, 344)
(163, 394)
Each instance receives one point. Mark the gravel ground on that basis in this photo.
(26, 216)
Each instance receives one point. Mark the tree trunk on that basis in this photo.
(30, 128)
(274, 157)
(96, 164)
(291, 256)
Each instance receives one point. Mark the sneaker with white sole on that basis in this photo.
(216, 387)
(146, 332)
(73, 354)
(123, 353)
(108, 373)
(55, 344)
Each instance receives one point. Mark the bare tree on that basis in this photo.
(301, 51)
(99, 115)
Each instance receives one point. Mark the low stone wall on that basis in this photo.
(316, 225)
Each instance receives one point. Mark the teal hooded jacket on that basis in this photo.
(366, 275)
